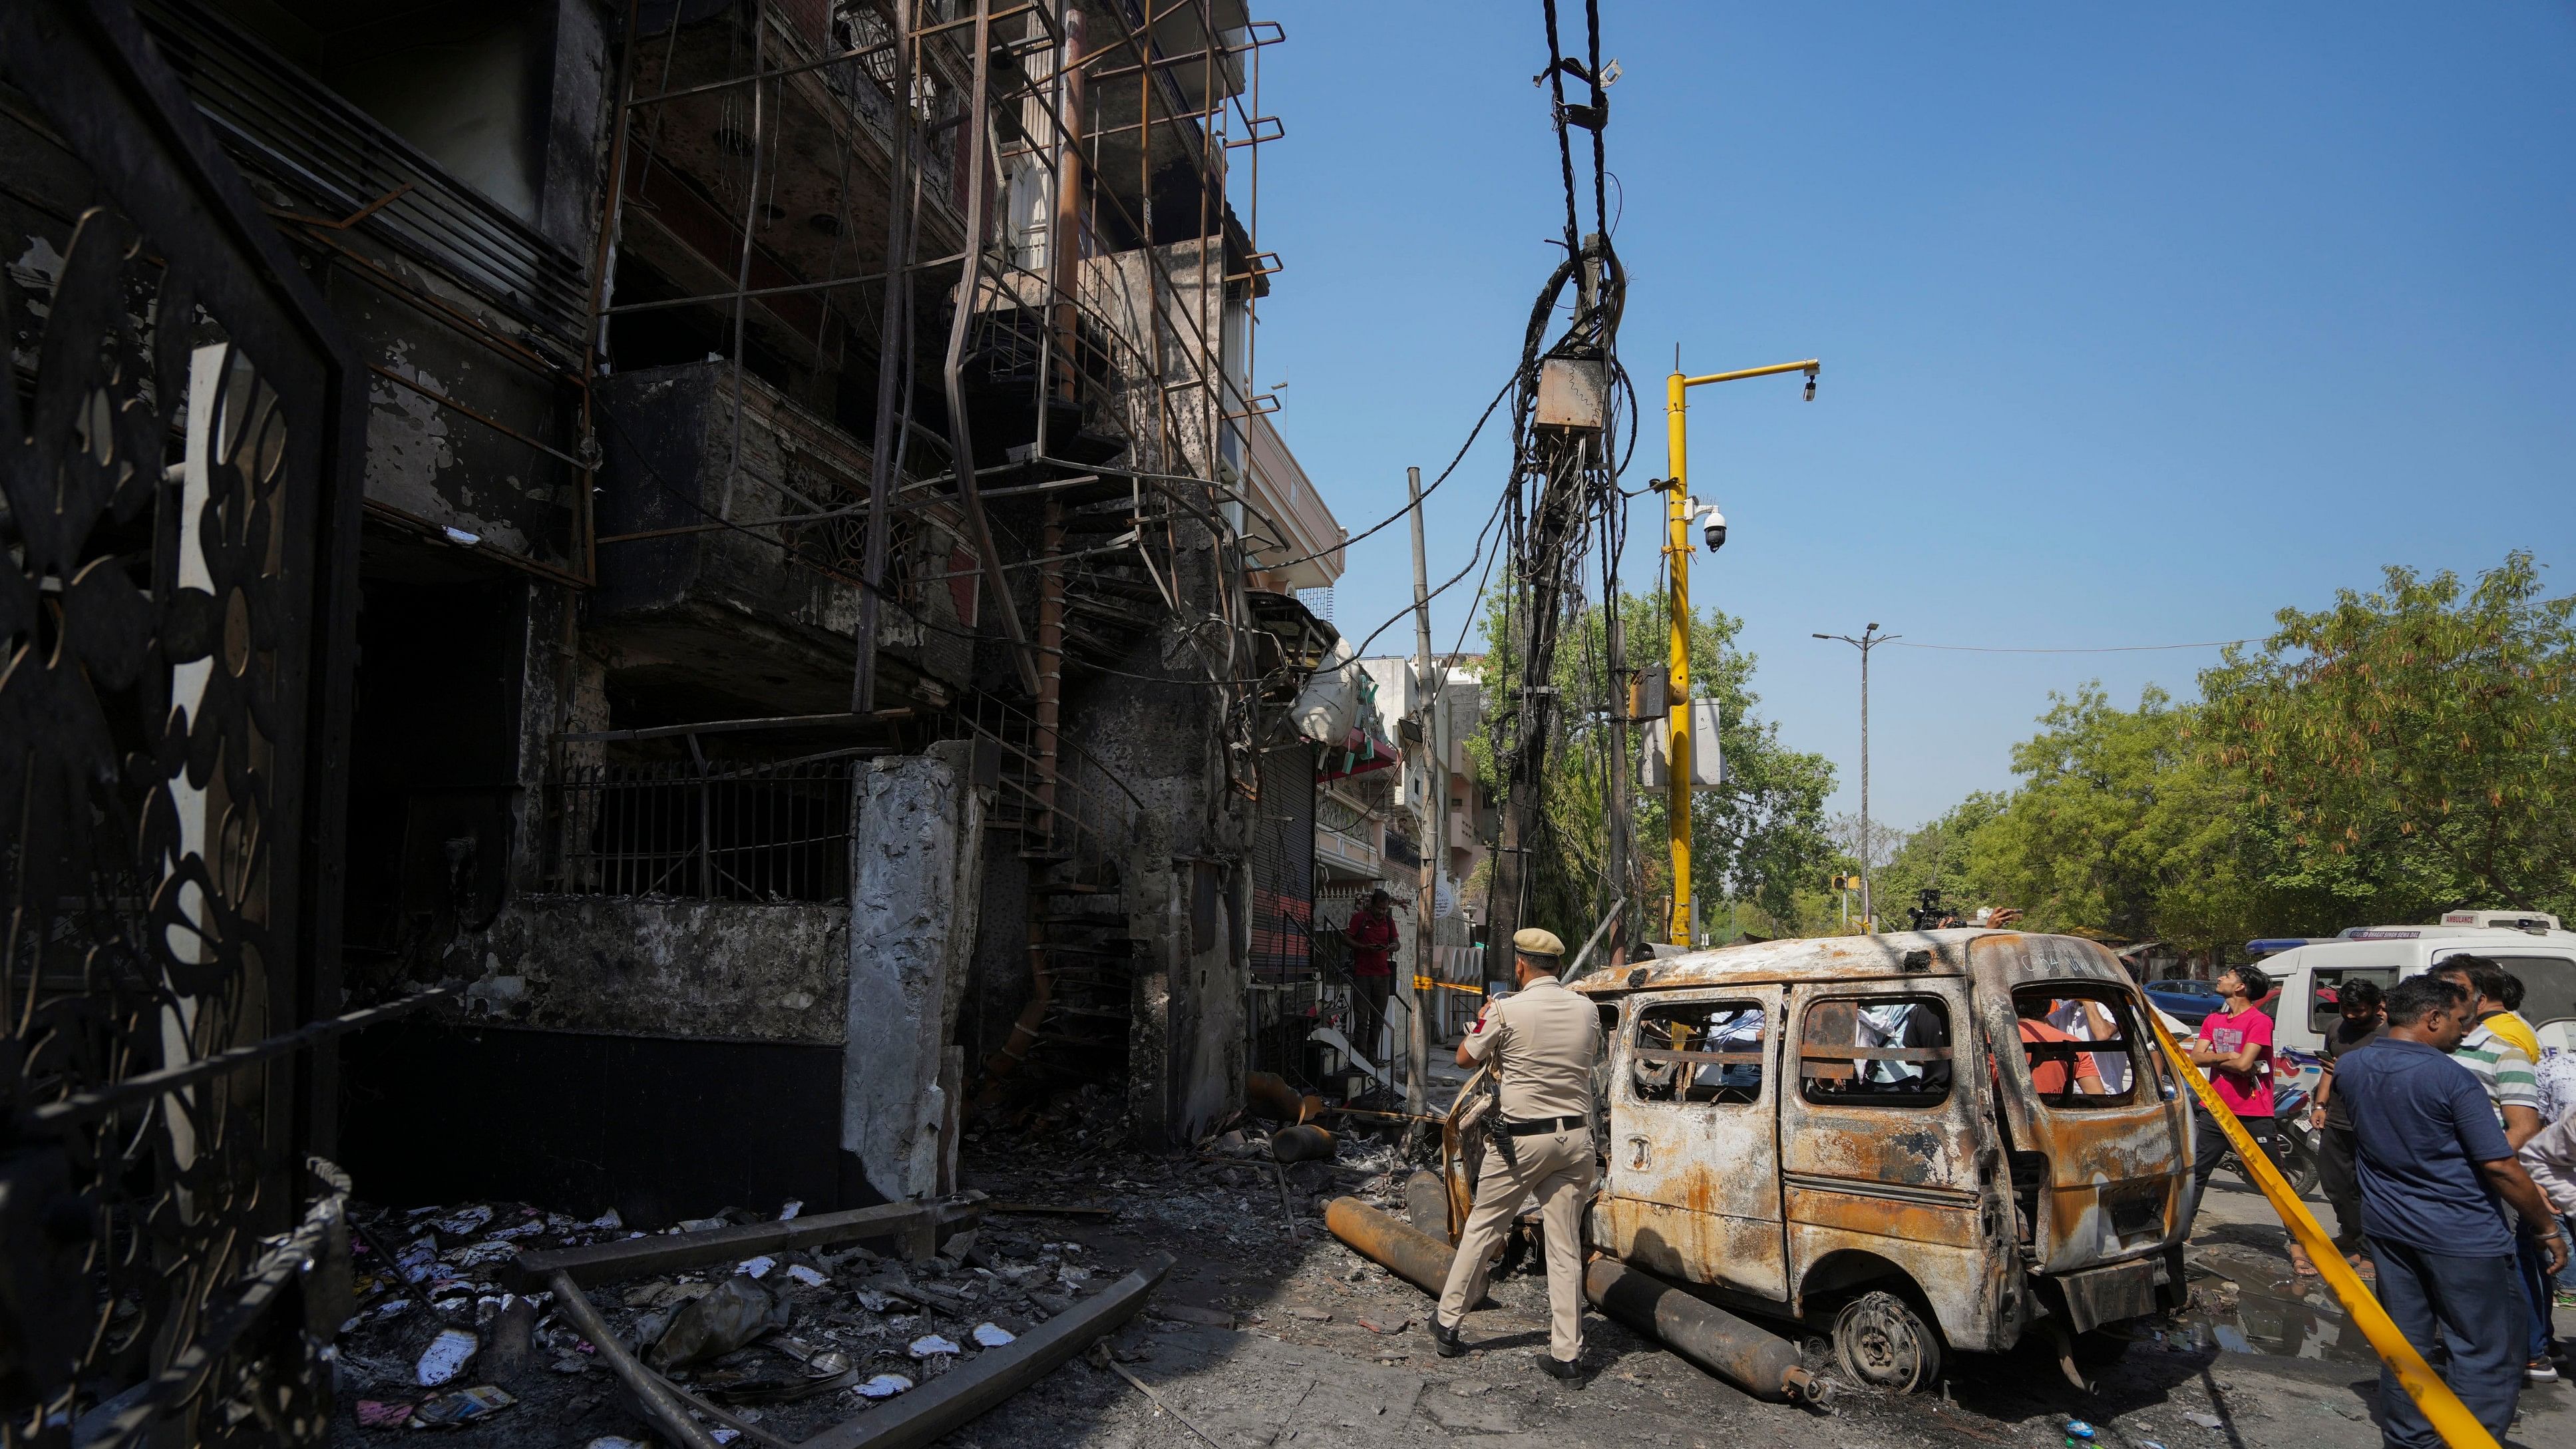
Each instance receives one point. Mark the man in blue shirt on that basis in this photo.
(2433, 1165)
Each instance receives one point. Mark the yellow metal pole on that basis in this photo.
(1774, 370)
(2451, 1419)
(1677, 733)
(1677, 721)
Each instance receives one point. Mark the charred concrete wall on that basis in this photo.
(713, 970)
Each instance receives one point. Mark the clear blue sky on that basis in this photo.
(2138, 323)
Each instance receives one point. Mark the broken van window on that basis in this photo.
(2079, 1044)
(1700, 1051)
(1875, 1051)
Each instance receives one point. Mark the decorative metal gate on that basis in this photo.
(180, 473)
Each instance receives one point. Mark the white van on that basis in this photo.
(2540, 954)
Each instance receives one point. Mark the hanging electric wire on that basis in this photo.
(1564, 472)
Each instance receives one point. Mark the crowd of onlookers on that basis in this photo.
(2448, 1154)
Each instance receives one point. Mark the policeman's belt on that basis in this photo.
(1544, 1125)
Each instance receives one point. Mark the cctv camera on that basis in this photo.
(1714, 530)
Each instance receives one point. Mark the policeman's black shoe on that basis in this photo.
(1566, 1371)
(1446, 1339)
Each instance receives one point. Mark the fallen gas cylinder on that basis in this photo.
(1762, 1363)
(1417, 1257)
(1304, 1143)
(1271, 1096)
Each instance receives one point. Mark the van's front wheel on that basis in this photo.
(1884, 1344)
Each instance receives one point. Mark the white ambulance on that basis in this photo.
(2529, 944)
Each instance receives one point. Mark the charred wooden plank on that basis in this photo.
(680, 1252)
(984, 1382)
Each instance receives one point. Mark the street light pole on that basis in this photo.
(1869, 639)
(1677, 520)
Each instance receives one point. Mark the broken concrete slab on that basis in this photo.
(915, 880)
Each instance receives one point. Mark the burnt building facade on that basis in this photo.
(825, 582)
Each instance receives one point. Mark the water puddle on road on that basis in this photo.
(2246, 1307)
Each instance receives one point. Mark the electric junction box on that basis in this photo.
(1573, 394)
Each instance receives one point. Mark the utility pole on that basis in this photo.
(1869, 639)
(1429, 759)
(1680, 509)
(1571, 397)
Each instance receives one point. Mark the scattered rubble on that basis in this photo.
(791, 1339)
(810, 1336)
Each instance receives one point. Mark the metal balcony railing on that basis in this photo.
(336, 159)
(758, 832)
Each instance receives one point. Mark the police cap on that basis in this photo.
(1535, 942)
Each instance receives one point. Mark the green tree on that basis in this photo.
(1940, 855)
(2121, 828)
(2413, 745)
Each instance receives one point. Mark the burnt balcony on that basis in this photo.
(732, 534)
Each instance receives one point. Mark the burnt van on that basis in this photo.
(1916, 1143)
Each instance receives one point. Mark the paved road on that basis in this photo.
(1305, 1363)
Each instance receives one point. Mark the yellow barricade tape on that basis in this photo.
(2451, 1418)
(1425, 983)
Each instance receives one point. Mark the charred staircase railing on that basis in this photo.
(1073, 835)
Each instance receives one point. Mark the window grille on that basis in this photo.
(724, 831)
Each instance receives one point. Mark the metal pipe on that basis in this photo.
(1676, 721)
(413, 521)
(893, 325)
(1409, 1253)
(603, 251)
(742, 265)
(140, 1090)
(1754, 1359)
(495, 424)
(784, 289)
(1064, 238)
(1810, 366)
(970, 280)
(647, 1386)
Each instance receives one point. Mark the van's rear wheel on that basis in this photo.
(1884, 1344)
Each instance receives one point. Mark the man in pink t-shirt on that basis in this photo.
(2235, 1049)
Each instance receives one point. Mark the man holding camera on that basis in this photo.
(1542, 1041)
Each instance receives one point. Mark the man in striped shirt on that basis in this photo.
(2512, 1085)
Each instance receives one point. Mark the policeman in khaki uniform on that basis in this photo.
(1542, 1041)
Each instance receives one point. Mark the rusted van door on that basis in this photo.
(2088, 1092)
(1694, 1187)
(1879, 1141)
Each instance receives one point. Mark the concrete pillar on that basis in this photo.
(916, 866)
